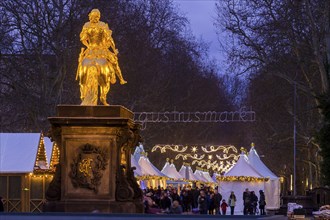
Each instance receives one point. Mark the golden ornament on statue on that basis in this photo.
(98, 64)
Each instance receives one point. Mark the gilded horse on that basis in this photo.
(97, 65)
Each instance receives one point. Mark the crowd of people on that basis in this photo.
(250, 201)
(203, 200)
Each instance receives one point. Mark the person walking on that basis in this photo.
(202, 203)
(254, 203)
(165, 202)
(246, 201)
(262, 202)
(211, 206)
(217, 201)
(232, 202)
(224, 206)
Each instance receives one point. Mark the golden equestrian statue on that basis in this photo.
(98, 64)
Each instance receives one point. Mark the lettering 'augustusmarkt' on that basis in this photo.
(242, 115)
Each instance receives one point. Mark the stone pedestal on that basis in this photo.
(94, 172)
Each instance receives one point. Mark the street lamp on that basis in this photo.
(294, 139)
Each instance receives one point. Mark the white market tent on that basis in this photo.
(272, 186)
(144, 167)
(241, 176)
(170, 171)
(199, 174)
(214, 176)
(148, 169)
(139, 150)
(151, 176)
(187, 173)
(208, 177)
(18, 151)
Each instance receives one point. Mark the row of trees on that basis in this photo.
(279, 45)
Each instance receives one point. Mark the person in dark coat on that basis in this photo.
(246, 201)
(196, 194)
(254, 203)
(217, 201)
(211, 204)
(190, 200)
(175, 196)
(262, 202)
(165, 202)
(202, 202)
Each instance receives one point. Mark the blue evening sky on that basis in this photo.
(202, 14)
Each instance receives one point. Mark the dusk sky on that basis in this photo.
(202, 14)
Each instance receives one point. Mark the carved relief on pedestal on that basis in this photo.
(133, 183)
(55, 134)
(126, 190)
(53, 192)
(87, 168)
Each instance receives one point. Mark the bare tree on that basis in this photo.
(288, 40)
(36, 60)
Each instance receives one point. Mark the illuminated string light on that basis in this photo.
(242, 178)
(163, 148)
(226, 155)
(41, 157)
(186, 156)
(55, 158)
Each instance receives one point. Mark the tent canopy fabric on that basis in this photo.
(138, 151)
(208, 177)
(258, 165)
(243, 168)
(214, 176)
(148, 169)
(187, 173)
(200, 176)
(18, 151)
(272, 187)
(170, 171)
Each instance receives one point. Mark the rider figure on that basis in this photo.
(98, 66)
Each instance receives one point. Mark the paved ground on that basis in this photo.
(71, 216)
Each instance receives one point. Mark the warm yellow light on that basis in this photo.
(242, 178)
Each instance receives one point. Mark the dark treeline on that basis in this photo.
(280, 46)
(166, 68)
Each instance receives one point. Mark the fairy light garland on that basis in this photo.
(55, 158)
(242, 179)
(219, 158)
(41, 153)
